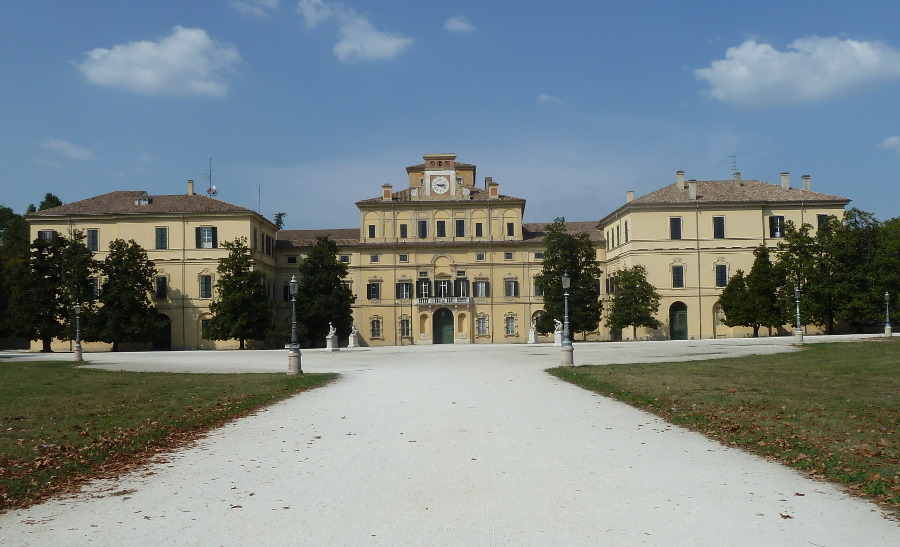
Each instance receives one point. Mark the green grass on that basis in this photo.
(61, 424)
(831, 410)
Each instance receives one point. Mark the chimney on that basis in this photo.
(692, 189)
(785, 181)
(737, 178)
(629, 196)
(190, 188)
(679, 180)
(807, 185)
(492, 187)
(386, 194)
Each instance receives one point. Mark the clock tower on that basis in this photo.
(439, 179)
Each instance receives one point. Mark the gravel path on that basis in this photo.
(452, 445)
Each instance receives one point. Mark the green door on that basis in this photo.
(678, 321)
(443, 326)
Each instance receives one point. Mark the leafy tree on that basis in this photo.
(859, 279)
(736, 304)
(888, 262)
(37, 309)
(279, 220)
(79, 267)
(49, 202)
(321, 299)
(763, 283)
(575, 254)
(14, 264)
(243, 310)
(635, 301)
(126, 313)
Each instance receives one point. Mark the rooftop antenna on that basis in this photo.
(733, 164)
(211, 191)
(259, 199)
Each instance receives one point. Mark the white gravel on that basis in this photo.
(452, 445)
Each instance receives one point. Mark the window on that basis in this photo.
(721, 275)
(510, 229)
(404, 290)
(511, 287)
(820, 220)
(675, 228)
(539, 255)
(510, 325)
(678, 277)
(482, 289)
(347, 286)
(292, 259)
(405, 327)
(461, 287)
(376, 327)
(479, 257)
(460, 228)
(371, 230)
(204, 328)
(538, 290)
(286, 293)
(442, 228)
(95, 287)
(93, 239)
(507, 256)
(403, 258)
(403, 231)
(626, 231)
(423, 229)
(162, 237)
(719, 227)
(442, 288)
(776, 226)
(206, 237)
(373, 259)
(373, 291)
(205, 286)
(481, 326)
(162, 286)
(479, 229)
(47, 235)
(618, 235)
(424, 288)
(345, 259)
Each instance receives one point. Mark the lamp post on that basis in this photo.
(798, 331)
(294, 352)
(887, 313)
(567, 359)
(78, 332)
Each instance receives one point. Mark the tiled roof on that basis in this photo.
(421, 167)
(728, 191)
(286, 239)
(475, 194)
(124, 202)
(534, 231)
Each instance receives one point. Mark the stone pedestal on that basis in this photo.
(887, 330)
(331, 343)
(354, 340)
(557, 339)
(798, 337)
(567, 359)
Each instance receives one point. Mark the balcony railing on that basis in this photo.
(443, 300)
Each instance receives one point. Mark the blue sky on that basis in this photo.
(307, 106)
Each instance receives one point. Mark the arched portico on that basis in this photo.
(678, 321)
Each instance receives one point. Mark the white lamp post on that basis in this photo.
(78, 332)
(798, 331)
(567, 359)
(887, 313)
(294, 352)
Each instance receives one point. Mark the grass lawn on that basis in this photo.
(61, 424)
(831, 410)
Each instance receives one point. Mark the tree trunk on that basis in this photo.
(242, 343)
(634, 332)
(115, 346)
(756, 331)
(45, 345)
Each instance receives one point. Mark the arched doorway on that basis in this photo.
(442, 321)
(162, 340)
(678, 321)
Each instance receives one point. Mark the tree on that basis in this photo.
(279, 220)
(575, 254)
(78, 267)
(243, 310)
(763, 285)
(807, 263)
(49, 202)
(37, 309)
(321, 297)
(635, 301)
(126, 313)
(736, 304)
(14, 264)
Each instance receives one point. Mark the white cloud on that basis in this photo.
(545, 98)
(359, 39)
(458, 23)
(67, 149)
(254, 8)
(891, 143)
(186, 62)
(810, 69)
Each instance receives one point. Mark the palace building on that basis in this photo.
(448, 259)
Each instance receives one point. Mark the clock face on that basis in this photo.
(440, 185)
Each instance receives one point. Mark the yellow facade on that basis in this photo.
(169, 228)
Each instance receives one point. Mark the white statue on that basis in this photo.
(331, 330)
(558, 324)
(532, 327)
(353, 330)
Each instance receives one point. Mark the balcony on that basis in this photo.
(444, 301)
